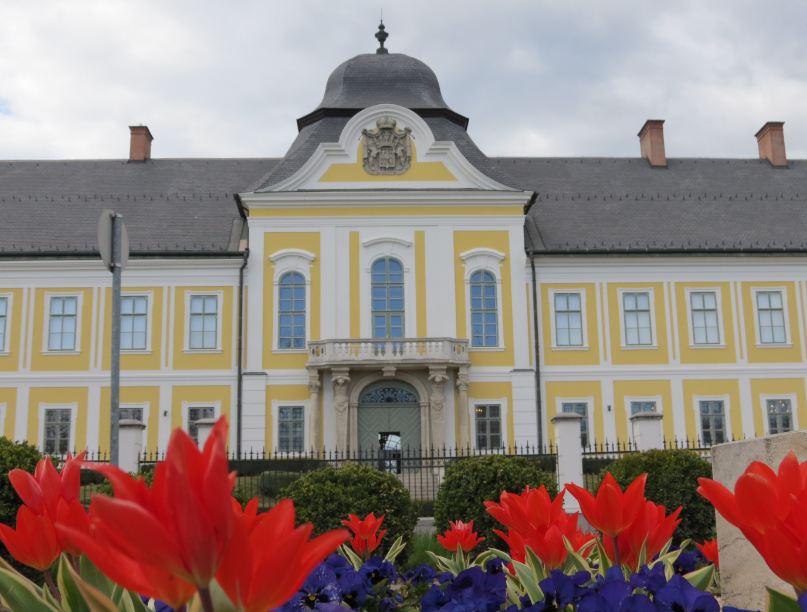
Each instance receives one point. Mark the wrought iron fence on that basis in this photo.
(264, 474)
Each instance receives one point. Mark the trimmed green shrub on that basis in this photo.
(13, 455)
(672, 480)
(271, 483)
(326, 496)
(470, 482)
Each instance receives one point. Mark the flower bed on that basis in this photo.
(183, 542)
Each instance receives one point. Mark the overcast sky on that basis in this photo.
(543, 78)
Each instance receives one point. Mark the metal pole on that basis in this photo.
(117, 268)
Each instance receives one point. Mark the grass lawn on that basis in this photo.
(422, 542)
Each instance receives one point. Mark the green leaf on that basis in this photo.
(19, 593)
(528, 581)
(395, 550)
(355, 560)
(501, 554)
(94, 577)
(72, 596)
(92, 598)
(779, 602)
(602, 557)
(702, 578)
(574, 559)
(535, 564)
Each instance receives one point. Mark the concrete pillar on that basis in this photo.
(743, 573)
(437, 400)
(570, 454)
(203, 429)
(130, 445)
(647, 431)
(462, 387)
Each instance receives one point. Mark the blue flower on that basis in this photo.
(471, 591)
(680, 596)
(649, 579)
(320, 591)
(422, 574)
(803, 602)
(607, 594)
(688, 561)
(353, 587)
(637, 603)
(338, 564)
(376, 570)
(494, 566)
(561, 590)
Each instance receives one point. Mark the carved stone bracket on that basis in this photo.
(437, 378)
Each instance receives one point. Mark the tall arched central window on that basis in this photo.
(387, 287)
(291, 311)
(484, 312)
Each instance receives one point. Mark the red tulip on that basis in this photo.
(534, 519)
(34, 541)
(770, 509)
(182, 524)
(709, 551)
(652, 529)
(460, 535)
(611, 511)
(366, 537)
(268, 559)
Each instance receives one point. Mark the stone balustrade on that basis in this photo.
(420, 351)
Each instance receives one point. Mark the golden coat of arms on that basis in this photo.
(387, 150)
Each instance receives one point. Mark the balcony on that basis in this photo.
(397, 352)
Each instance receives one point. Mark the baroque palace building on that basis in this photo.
(386, 280)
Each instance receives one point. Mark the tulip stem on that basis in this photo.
(54, 590)
(207, 602)
(616, 550)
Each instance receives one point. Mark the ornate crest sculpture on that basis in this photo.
(387, 150)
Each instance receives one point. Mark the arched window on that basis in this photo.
(484, 312)
(291, 311)
(387, 287)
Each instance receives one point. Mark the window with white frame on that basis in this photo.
(196, 414)
(568, 319)
(290, 429)
(133, 322)
(133, 413)
(637, 319)
(56, 431)
(62, 323)
(3, 321)
(204, 320)
(387, 297)
(291, 311)
(779, 414)
(771, 317)
(484, 311)
(642, 406)
(713, 421)
(580, 408)
(705, 322)
(488, 421)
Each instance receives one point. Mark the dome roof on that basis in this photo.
(382, 78)
(393, 78)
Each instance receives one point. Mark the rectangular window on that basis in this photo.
(133, 322)
(580, 408)
(568, 319)
(771, 313)
(780, 416)
(133, 413)
(713, 422)
(488, 426)
(291, 429)
(62, 323)
(3, 322)
(196, 414)
(57, 431)
(204, 322)
(642, 406)
(638, 323)
(705, 326)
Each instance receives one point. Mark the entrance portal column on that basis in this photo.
(314, 420)
(341, 379)
(437, 401)
(462, 387)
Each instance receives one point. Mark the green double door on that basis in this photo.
(389, 419)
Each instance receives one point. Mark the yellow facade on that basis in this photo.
(10, 358)
(220, 358)
(589, 353)
(137, 360)
(725, 351)
(66, 361)
(792, 388)
(75, 398)
(727, 390)
(590, 391)
(481, 392)
(659, 391)
(282, 393)
(757, 352)
(183, 397)
(142, 396)
(636, 355)
(8, 398)
(355, 172)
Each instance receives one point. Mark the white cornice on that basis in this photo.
(345, 151)
(379, 197)
(386, 240)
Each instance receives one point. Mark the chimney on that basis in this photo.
(651, 142)
(139, 143)
(771, 141)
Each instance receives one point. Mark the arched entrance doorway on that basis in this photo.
(389, 416)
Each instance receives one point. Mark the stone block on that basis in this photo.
(743, 573)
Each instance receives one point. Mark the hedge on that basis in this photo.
(470, 482)
(672, 480)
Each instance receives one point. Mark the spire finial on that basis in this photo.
(381, 36)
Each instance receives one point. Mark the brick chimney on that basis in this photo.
(651, 142)
(139, 143)
(771, 141)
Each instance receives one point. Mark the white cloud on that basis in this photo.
(535, 77)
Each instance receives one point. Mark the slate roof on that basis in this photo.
(622, 205)
(170, 206)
